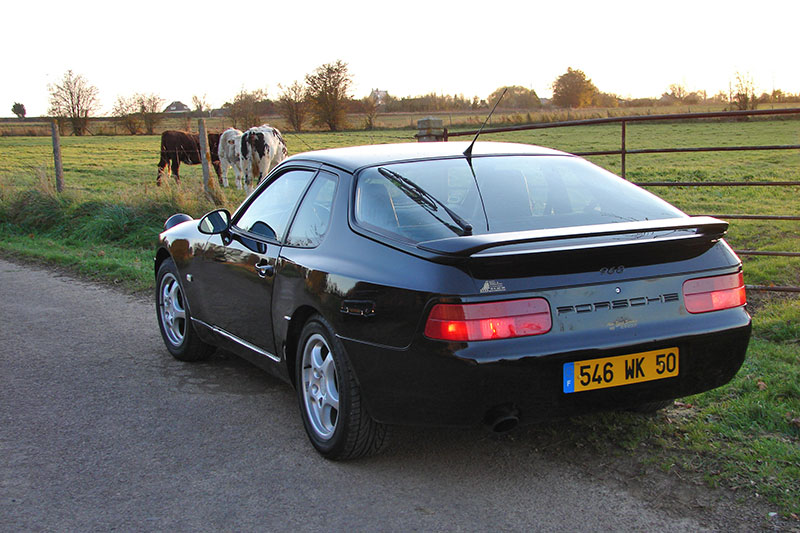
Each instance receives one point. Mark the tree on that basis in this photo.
(573, 89)
(293, 104)
(200, 104)
(744, 92)
(328, 92)
(369, 106)
(74, 99)
(18, 109)
(517, 97)
(678, 91)
(601, 99)
(126, 113)
(247, 108)
(150, 107)
(694, 98)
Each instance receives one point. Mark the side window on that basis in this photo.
(314, 215)
(268, 215)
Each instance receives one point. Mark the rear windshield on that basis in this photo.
(428, 200)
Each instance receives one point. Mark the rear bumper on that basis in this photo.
(456, 384)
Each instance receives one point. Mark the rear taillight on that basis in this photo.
(484, 321)
(702, 295)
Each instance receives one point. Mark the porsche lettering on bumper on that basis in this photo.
(618, 304)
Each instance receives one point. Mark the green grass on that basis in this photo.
(129, 268)
(745, 435)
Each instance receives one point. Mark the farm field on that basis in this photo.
(106, 168)
(744, 435)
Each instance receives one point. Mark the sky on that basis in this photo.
(180, 49)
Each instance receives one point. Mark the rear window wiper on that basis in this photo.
(426, 200)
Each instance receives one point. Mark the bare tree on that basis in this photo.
(678, 91)
(200, 104)
(150, 107)
(744, 92)
(18, 109)
(73, 99)
(246, 108)
(127, 114)
(293, 104)
(328, 91)
(369, 106)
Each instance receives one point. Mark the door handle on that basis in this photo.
(365, 308)
(265, 270)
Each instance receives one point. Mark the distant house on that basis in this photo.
(379, 96)
(177, 107)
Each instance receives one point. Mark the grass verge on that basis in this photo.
(130, 269)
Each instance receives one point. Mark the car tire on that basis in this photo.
(174, 318)
(334, 416)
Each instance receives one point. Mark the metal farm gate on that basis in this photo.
(623, 152)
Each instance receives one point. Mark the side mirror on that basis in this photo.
(215, 222)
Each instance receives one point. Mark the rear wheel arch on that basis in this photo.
(334, 416)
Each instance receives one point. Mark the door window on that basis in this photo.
(268, 215)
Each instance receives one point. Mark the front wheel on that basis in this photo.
(334, 416)
(174, 319)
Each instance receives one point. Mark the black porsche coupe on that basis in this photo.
(413, 284)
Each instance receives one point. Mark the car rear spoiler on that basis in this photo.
(699, 229)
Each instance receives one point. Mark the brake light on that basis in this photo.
(702, 295)
(484, 321)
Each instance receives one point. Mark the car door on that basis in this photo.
(239, 266)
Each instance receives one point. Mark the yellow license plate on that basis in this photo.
(620, 370)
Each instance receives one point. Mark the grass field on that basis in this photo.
(745, 435)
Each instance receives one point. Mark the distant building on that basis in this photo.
(379, 96)
(177, 107)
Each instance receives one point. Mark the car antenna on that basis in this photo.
(468, 151)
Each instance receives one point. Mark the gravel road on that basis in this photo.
(100, 429)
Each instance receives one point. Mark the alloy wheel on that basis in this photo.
(320, 386)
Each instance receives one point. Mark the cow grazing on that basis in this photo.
(262, 149)
(230, 155)
(181, 147)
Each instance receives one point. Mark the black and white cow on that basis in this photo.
(230, 155)
(262, 149)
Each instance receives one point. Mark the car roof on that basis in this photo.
(353, 158)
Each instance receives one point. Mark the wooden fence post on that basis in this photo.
(57, 156)
(431, 129)
(623, 150)
(205, 155)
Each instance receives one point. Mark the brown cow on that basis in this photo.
(181, 147)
